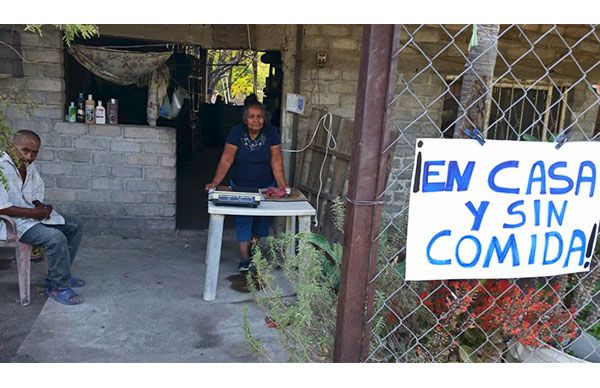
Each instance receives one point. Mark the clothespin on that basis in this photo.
(475, 134)
(561, 139)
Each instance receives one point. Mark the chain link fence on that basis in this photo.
(543, 80)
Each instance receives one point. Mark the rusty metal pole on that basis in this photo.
(368, 177)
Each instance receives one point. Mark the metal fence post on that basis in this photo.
(368, 176)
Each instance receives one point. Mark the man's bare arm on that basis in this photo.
(37, 213)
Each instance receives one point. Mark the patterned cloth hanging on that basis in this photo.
(124, 67)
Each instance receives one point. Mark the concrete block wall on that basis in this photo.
(334, 86)
(119, 178)
(416, 113)
(113, 176)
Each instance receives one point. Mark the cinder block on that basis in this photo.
(44, 55)
(95, 171)
(69, 182)
(143, 210)
(126, 197)
(109, 158)
(49, 181)
(59, 195)
(142, 160)
(93, 196)
(357, 31)
(160, 148)
(141, 132)
(311, 29)
(109, 209)
(335, 30)
(316, 42)
(106, 131)
(97, 223)
(168, 135)
(165, 223)
(55, 168)
(162, 198)
(167, 185)
(342, 87)
(168, 211)
(56, 141)
(126, 172)
(53, 71)
(329, 99)
(168, 161)
(125, 146)
(31, 70)
(71, 128)
(159, 173)
(49, 112)
(45, 154)
(345, 44)
(327, 74)
(106, 184)
(15, 85)
(76, 156)
(54, 98)
(30, 40)
(91, 143)
(129, 223)
(50, 85)
(141, 185)
(74, 208)
(345, 59)
(40, 126)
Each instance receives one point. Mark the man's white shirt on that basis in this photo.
(22, 195)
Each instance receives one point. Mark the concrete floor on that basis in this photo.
(142, 303)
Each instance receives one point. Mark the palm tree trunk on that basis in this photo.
(477, 81)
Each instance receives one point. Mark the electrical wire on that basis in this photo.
(330, 144)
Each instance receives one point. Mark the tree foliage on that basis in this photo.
(235, 67)
(70, 31)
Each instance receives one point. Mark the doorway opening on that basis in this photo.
(230, 76)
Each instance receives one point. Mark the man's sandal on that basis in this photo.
(64, 296)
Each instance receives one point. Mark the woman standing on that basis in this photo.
(253, 151)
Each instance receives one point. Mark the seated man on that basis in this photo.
(37, 223)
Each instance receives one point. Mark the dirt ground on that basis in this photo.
(16, 321)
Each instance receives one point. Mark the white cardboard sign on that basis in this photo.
(505, 209)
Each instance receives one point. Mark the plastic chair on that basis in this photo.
(23, 256)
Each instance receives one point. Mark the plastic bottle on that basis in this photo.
(89, 110)
(80, 109)
(72, 113)
(100, 114)
(113, 111)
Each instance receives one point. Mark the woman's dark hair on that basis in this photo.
(252, 105)
(251, 99)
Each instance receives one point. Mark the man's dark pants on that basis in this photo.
(60, 243)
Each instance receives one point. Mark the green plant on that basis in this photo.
(70, 31)
(305, 316)
(550, 137)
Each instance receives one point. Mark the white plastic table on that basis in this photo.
(303, 210)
